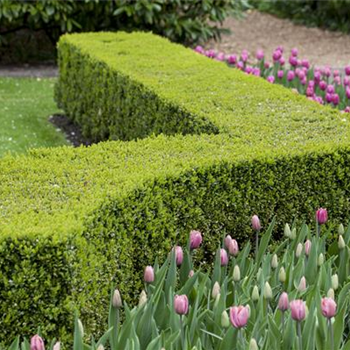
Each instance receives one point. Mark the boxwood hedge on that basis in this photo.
(73, 221)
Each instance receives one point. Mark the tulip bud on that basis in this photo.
(283, 302)
(299, 250)
(328, 307)
(100, 347)
(225, 320)
(181, 304)
(253, 344)
(341, 243)
(307, 247)
(341, 229)
(179, 255)
(37, 343)
(321, 216)
(223, 257)
(231, 245)
(236, 274)
(287, 231)
(149, 274)
(274, 261)
(330, 293)
(248, 308)
(216, 290)
(191, 273)
(282, 275)
(256, 223)
(239, 316)
(117, 300)
(302, 285)
(143, 298)
(258, 273)
(81, 328)
(267, 291)
(255, 294)
(57, 346)
(195, 239)
(293, 234)
(320, 260)
(335, 282)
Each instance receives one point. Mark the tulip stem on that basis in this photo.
(182, 332)
(256, 245)
(331, 333)
(282, 320)
(299, 335)
(318, 229)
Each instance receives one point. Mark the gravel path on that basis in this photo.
(263, 31)
(36, 71)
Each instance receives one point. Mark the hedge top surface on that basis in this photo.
(56, 191)
(243, 106)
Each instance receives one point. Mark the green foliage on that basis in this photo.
(154, 324)
(119, 204)
(26, 105)
(331, 14)
(180, 20)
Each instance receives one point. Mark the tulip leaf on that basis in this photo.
(15, 344)
(78, 336)
(229, 341)
(265, 242)
(217, 269)
(155, 344)
(170, 282)
(343, 296)
(144, 327)
(338, 327)
(185, 268)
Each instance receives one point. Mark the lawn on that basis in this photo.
(25, 105)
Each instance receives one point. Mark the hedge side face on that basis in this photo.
(75, 221)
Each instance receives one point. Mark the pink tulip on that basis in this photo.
(36, 343)
(267, 65)
(179, 255)
(346, 81)
(298, 310)
(321, 216)
(195, 239)
(227, 241)
(210, 53)
(302, 284)
(290, 75)
(323, 85)
(280, 74)
(347, 93)
(347, 70)
(239, 316)
(301, 74)
(282, 61)
(307, 247)
(181, 304)
(271, 79)
(305, 63)
(337, 80)
(248, 69)
(294, 52)
(310, 92)
(283, 302)
(293, 61)
(317, 76)
(223, 257)
(240, 65)
(330, 89)
(303, 81)
(327, 72)
(256, 223)
(256, 72)
(329, 97)
(335, 99)
(347, 109)
(231, 245)
(199, 49)
(232, 59)
(148, 275)
(260, 55)
(244, 55)
(319, 99)
(190, 274)
(328, 307)
(277, 55)
(220, 56)
(336, 73)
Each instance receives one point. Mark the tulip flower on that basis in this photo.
(335, 99)
(347, 93)
(270, 79)
(244, 56)
(239, 316)
(210, 53)
(195, 239)
(148, 275)
(256, 72)
(328, 307)
(341, 230)
(216, 290)
(253, 345)
(323, 85)
(255, 294)
(330, 89)
(282, 275)
(321, 219)
(274, 261)
(236, 274)
(297, 310)
(232, 59)
(143, 298)
(346, 81)
(179, 255)
(223, 257)
(225, 320)
(294, 52)
(181, 304)
(280, 74)
(302, 284)
(37, 343)
(341, 243)
(320, 260)
(199, 49)
(290, 75)
(190, 274)
(330, 293)
(277, 55)
(267, 291)
(305, 63)
(57, 346)
(282, 61)
(347, 70)
(347, 109)
(307, 247)
(240, 65)
(293, 61)
(220, 56)
(260, 55)
(117, 300)
(287, 231)
(283, 302)
(298, 250)
(335, 281)
(233, 247)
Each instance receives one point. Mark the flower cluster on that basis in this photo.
(322, 85)
(295, 296)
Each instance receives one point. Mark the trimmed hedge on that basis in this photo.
(73, 221)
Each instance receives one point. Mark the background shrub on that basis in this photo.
(331, 14)
(106, 211)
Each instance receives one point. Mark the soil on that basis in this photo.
(71, 130)
(264, 31)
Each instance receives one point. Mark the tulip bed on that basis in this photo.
(74, 220)
(295, 296)
(322, 85)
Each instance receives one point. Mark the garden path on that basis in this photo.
(263, 31)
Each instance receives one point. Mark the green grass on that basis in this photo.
(25, 105)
